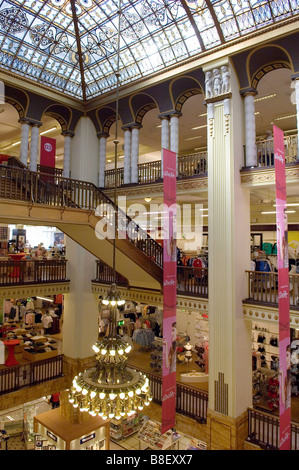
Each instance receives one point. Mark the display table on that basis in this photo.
(194, 377)
(39, 356)
(16, 256)
(150, 434)
(11, 344)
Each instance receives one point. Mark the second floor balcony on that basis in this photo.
(33, 271)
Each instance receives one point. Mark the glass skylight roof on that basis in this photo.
(38, 38)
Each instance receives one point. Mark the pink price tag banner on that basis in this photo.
(169, 291)
(283, 293)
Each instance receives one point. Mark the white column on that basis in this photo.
(102, 160)
(67, 156)
(85, 151)
(80, 317)
(174, 135)
(230, 359)
(25, 130)
(135, 155)
(164, 137)
(34, 147)
(127, 156)
(250, 133)
(297, 110)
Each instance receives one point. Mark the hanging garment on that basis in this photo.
(267, 248)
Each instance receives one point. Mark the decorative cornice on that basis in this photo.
(199, 183)
(267, 314)
(261, 176)
(34, 290)
(147, 296)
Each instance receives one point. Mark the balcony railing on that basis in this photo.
(190, 401)
(190, 281)
(25, 185)
(14, 378)
(189, 166)
(32, 272)
(104, 275)
(265, 151)
(263, 287)
(263, 430)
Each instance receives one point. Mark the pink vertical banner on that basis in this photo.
(169, 291)
(283, 293)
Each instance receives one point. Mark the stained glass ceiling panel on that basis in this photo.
(38, 39)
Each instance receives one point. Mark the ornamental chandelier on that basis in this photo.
(111, 389)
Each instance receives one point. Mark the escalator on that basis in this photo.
(84, 213)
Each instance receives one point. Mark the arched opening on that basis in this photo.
(10, 131)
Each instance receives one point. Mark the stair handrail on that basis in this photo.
(47, 182)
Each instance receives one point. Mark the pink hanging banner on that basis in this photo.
(169, 291)
(283, 293)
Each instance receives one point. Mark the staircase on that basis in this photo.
(77, 208)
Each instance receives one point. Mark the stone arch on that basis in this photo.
(18, 99)
(61, 113)
(265, 59)
(140, 104)
(183, 88)
(105, 117)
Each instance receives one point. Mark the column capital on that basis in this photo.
(31, 122)
(103, 134)
(68, 133)
(134, 125)
(250, 91)
(177, 114)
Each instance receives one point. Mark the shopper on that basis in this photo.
(55, 400)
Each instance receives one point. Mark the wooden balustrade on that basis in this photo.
(263, 287)
(104, 274)
(50, 170)
(190, 401)
(265, 150)
(192, 165)
(189, 166)
(192, 281)
(32, 272)
(14, 378)
(263, 430)
(25, 185)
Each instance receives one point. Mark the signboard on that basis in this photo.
(283, 293)
(47, 151)
(169, 291)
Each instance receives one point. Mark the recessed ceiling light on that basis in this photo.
(274, 212)
(192, 138)
(147, 199)
(265, 97)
